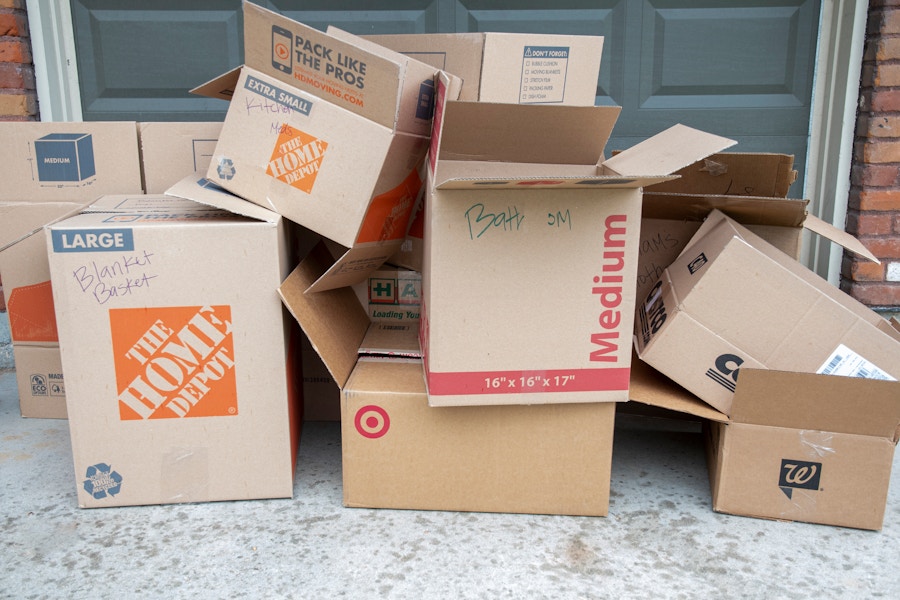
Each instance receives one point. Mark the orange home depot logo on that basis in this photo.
(174, 362)
(296, 158)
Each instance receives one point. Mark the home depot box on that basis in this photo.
(49, 170)
(328, 130)
(522, 211)
(732, 301)
(68, 162)
(398, 452)
(172, 150)
(176, 349)
(515, 68)
(805, 447)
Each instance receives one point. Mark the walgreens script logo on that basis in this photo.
(174, 362)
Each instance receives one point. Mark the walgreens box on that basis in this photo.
(531, 251)
(172, 151)
(49, 170)
(177, 352)
(514, 68)
(328, 130)
(732, 301)
(398, 452)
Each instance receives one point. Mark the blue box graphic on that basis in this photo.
(65, 157)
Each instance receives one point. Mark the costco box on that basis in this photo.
(328, 130)
(398, 452)
(514, 68)
(170, 151)
(177, 350)
(732, 301)
(556, 240)
(49, 170)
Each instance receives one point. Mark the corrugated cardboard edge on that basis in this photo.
(666, 152)
(199, 189)
(827, 230)
(333, 320)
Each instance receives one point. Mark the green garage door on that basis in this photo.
(740, 69)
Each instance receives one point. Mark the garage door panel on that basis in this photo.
(364, 17)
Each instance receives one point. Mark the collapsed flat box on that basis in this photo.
(732, 301)
(398, 452)
(171, 151)
(530, 267)
(328, 130)
(515, 68)
(178, 352)
(49, 170)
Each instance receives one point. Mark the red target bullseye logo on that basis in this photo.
(372, 421)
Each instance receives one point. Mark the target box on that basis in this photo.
(399, 452)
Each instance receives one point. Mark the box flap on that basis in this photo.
(838, 236)
(391, 339)
(343, 73)
(334, 321)
(355, 265)
(221, 87)
(548, 181)
(523, 133)
(199, 189)
(19, 220)
(817, 402)
(748, 210)
(649, 386)
(666, 152)
(736, 174)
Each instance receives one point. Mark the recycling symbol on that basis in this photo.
(225, 168)
(102, 481)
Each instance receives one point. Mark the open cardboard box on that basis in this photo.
(398, 452)
(328, 130)
(171, 151)
(50, 170)
(530, 266)
(514, 68)
(179, 354)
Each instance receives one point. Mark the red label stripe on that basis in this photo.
(528, 382)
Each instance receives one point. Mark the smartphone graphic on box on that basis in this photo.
(282, 40)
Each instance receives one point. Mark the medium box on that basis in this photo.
(513, 68)
(172, 151)
(732, 301)
(170, 307)
(398, 452)
(332, 141)
(68, 162)
(529, 266)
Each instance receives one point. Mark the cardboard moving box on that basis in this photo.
(398, 452)
(50, 170)
(177, 352)
(513, 68)
(531, 251)
(328, 130)
(172, 151)
(732, 301)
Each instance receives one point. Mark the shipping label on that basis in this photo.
(844, 361)
(173, 362)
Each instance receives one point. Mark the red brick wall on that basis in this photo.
(873, 213)
(18, 98)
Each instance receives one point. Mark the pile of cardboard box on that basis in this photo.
(473, 276)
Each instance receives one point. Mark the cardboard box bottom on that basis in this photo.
(398, 452)
(42, 389)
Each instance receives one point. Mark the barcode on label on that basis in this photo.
(847, 363)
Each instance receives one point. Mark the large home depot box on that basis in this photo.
(328, 130)
(398, 452)
(514, 68)
(171, 151)
(49, 170)
(732, 301)
(531, 251)
(176, 350)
